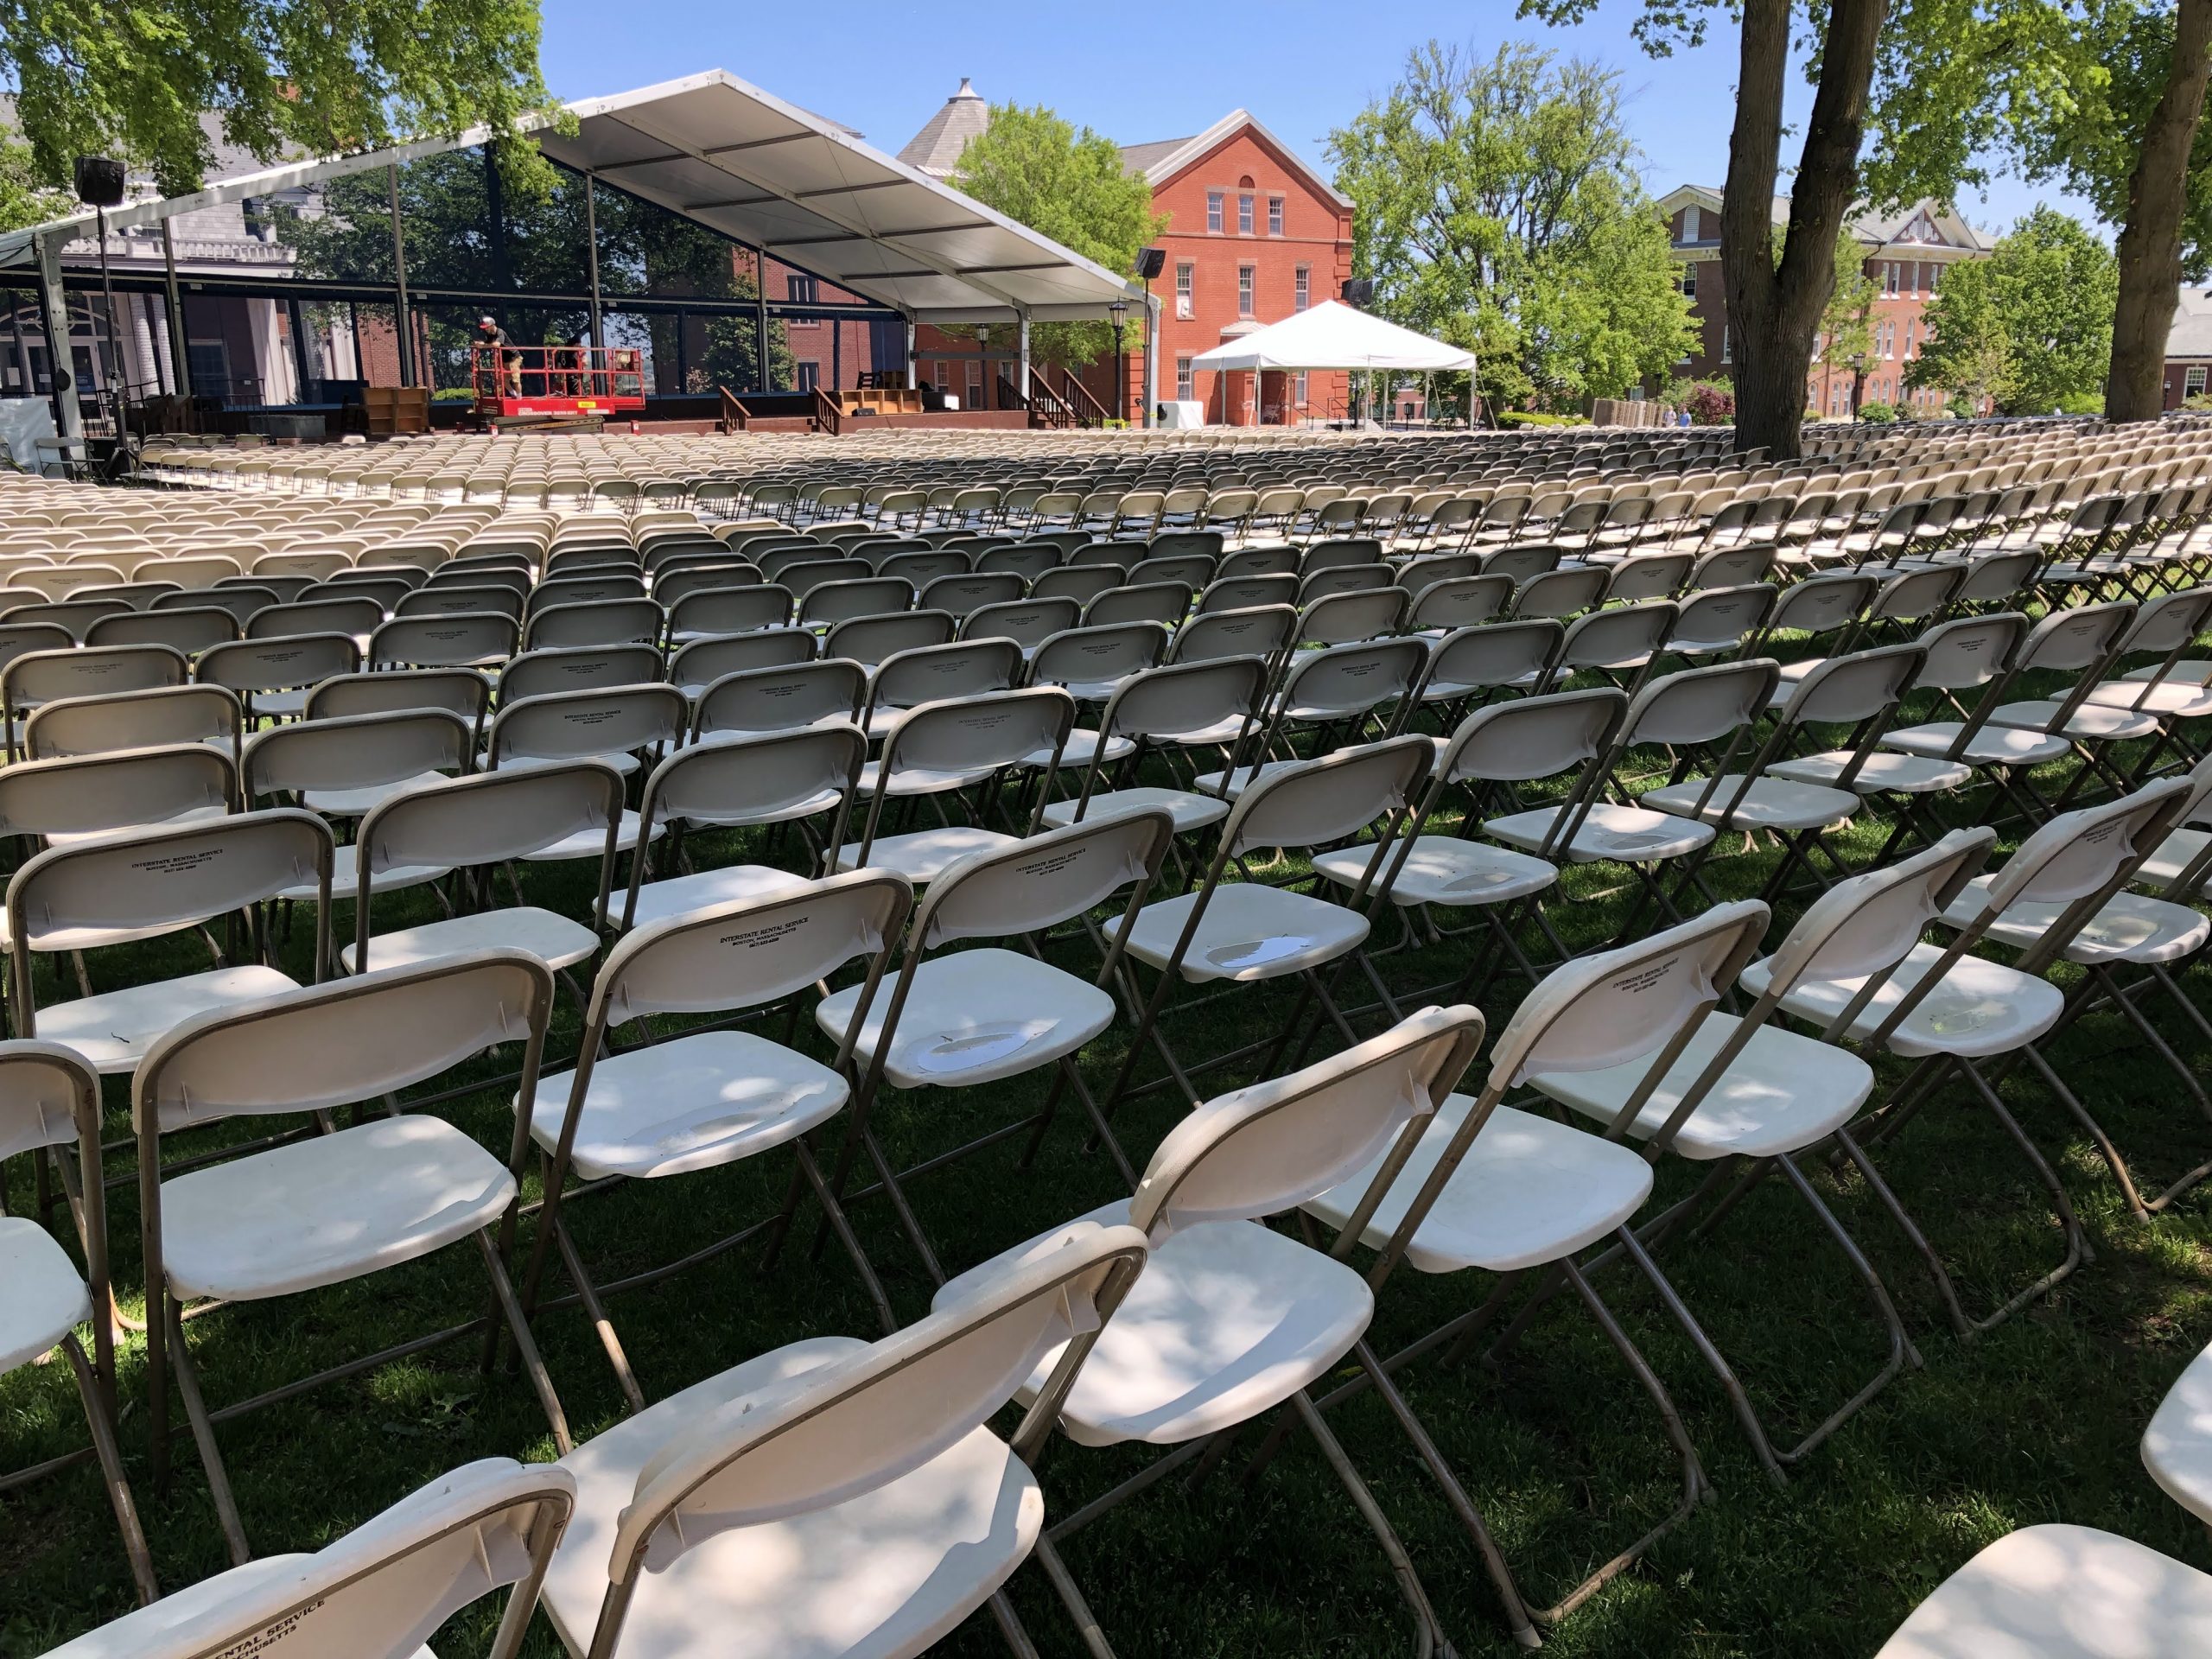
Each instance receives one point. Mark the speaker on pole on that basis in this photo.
(1359, 292)
(1151, 262)
(99, 181)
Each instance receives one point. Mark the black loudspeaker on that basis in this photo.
(1151, 262)
(99, 181)
(1359, 291)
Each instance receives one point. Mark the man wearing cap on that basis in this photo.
(488, 333)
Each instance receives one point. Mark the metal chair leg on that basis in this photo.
(110, 1457)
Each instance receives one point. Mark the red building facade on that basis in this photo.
(1906, 255)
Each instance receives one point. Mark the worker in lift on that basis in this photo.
(488, 333)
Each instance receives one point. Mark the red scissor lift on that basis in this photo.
(557, 381)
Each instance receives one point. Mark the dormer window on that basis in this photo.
(1690, 226)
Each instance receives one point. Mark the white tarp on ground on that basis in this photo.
(1331, 335)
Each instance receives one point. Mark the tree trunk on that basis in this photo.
(1774, 309)
(2149, 248)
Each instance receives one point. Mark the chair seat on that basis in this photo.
(1782, 1092)
(41, 1298)
(1628, 834)
(554, 940)
(2198, 672)
(1443, 870)
(114, 1029)
(1228, 1319)
(1250, 931)
(1528, 1191)
(326, 1209)
(925, 854)
(2094, 721)
(2061, 1592)
(1190, 812)
(592, 843)
(2171, 699)
(692, 1103)
(2177, 1445)
(880, 1576)
(1883, 773)
(621, 759)
(344, 886)
(920, 780)
(2128, 927)
(1992, 745)
(1082, 744)
(657, 900)
(280, 705)
(974, 1016)
(1233, 784)
(1763, 803)
(1981, 1007)
(360, 802)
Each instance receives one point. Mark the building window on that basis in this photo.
(1935, 278)
(1213, 212)
(810, 375)
(1298, 389)
(1244, 291)
(1724, 357)
(1244, 215)
(1301, 293)
(1690, 226)
(800, 291)
(974, 398)
(1689, 279)
(1274, 215)
(1911, 329)
(1184, 390)
(1186, 275)
(2192, 381)
(1889, 277)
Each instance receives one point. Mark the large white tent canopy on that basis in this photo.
(1331, 335)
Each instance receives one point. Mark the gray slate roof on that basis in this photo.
(935, 148)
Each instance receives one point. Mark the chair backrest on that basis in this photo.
(353, 614)
(1621, 637)
(783, 699)
(1242, 593)
(382, 1590)
(863, 1421)
(1822, 604)
(1534, 737)
(705, 661)
(940, 741)
(45, 676)
(872, 640)
(1598, 1012)
(463, 691)
(153, 883)
(1043, 881)
(1844, 690)
(935, 673)
(2072, 640)
(337, 1044)
(965, 593)
(600, 586)
(1263, 631)
(1344, 617)
(1497, 653)
(134, 720)
(190, 630)
(577, 668)
(1699, 705)
(597, 622)
(453, 601)
(90, 794)
(2083, 854)
(730, 609)
(1970, 650)
(576, 725)
(1328, 799)
(471, 640)
(1560, 593)
(1342, 680)
(278, 663)
(1095, 656)
(356, 751)
(1028, 622)
(1720, 616)
(1165, 602)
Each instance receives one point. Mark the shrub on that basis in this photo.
(1514, 418)
(2091, 403)
(1877, 412)
(1711, 404)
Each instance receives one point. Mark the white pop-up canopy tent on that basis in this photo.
(1331, 335)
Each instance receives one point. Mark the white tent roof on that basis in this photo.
(728, 154)
(1334, 336)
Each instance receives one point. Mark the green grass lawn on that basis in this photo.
(2038, 1422)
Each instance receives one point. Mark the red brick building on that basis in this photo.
(1254, 234)
(1906, 254)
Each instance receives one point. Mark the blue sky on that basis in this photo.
(1302, 66)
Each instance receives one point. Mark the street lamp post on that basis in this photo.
(1118, 309)
(1858, 380)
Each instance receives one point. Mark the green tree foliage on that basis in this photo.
(2030, 327)
(23, 199)
(446, 205)
(1069, 185)
(132, 77)
(2104, 97)
(1848, 320)
(1501, 208)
